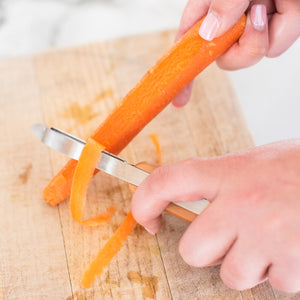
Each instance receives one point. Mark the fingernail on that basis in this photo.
(210, 25)
(259, 17)
(149, 231)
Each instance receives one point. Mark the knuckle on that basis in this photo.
(185, 253)
(159, 178)
(192, 254)
(139, 217)
(233, 277)
(193, 165)
(145, 198)
(285, 278)
(225, 6)
(256, 51)
(138, 214)
(142, 210)
(139, 208)
(283, 284)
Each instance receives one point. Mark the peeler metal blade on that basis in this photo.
(109, 163)
(72, 147)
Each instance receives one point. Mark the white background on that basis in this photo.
(269, 92)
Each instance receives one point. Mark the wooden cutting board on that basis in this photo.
(43, 252)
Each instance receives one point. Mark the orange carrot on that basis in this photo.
(156, 144)
(107, 253)
(83, 174)
(166, 79)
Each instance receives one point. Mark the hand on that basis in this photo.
(251, 227)
(272, 27)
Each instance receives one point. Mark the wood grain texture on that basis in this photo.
(32, 253)
(43, 251)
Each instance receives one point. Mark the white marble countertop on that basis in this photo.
(269, 92)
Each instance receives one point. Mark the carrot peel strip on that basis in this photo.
(107, 253)
(83, 174)
(156, 144)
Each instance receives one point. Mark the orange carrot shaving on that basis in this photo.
(107, 253)
(156, 144)
(83, 174)
(166, 79)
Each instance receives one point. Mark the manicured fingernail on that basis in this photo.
(259, 17)
(149, 231)
(210, 25)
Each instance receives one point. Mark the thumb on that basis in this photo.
(221, 16)
(185, 181)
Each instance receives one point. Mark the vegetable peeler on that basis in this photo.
(113, 165)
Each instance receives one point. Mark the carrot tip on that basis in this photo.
(54, 191)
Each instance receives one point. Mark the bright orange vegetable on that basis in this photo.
(107, 253)
(166, 79)
(83, 174)
(156, 144)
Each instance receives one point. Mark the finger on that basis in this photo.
(285, 277)
(284, 31)
(193, 12)
(222, 15)
(189, 180)
(184, 97)
(253, 44)
(208, 238)
(244, 266)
